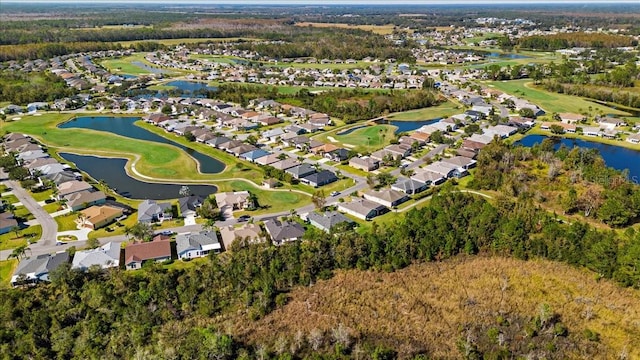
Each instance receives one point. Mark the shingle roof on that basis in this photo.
(40, 266)
(108, 255)
(328, 219)
(283, 230)
(196, 241)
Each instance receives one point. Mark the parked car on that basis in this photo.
(335, 193)
(244, 218)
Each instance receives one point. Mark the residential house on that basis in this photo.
(301, 170)
(362, 208)
(320, 178)
(445, 169)
(569, 118)
(254, 155)
(136, 254)
(283, 231)
(273, 134)
(328, 220)
(217, 141)
(7, 222)
(37, 269)
(63, 176)
(72, 187)
(249, 232)
(267, 160)
(95, 217)
(151, 211)
(285, 164)
(461, 162)
(386, 197)
(232, 201)
(189, 205)
(337, 155)
(634, 138)
(231, 144)
(83, 199)
(324, 148)
(409, 186)
(242, 149)
(106, 256)
(364, 163)
(591, 130)
(428, 177)
(194, 245)
(398, 150)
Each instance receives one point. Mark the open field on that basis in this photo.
(125, 65)
(6, 270)
(370, 138)
(428, 308)
(443, 110)
(550, 102)
(376, 29)
(290, 89)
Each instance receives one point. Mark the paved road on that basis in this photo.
(49, 226)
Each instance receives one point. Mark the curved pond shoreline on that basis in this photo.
(124, 126)
(113, 171)
(617, 157)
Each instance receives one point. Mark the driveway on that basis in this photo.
(189, 220)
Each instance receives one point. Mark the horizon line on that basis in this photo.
(327, 2)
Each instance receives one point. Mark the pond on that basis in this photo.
(111, 170)
(350, 130)
(405, 126)
(616, 157)
(507, 56)
(124, 126)
(188, 87)
(151, 69)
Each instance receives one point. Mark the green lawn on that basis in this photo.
(53, 207)
(10, 199)
(369, 138)
(67, 222)
(23, 213)
(275, 201)
(443, 110)
(42, 195)
(10, 241)
(125, 65)
(550, 102)
(6, 270)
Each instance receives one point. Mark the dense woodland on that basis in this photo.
(22, 88)
(563, 41)
(349, 105)
(171, 313)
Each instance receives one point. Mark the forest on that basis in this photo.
(170, 313)
(23, 88)
(350, 105)
(576, 39)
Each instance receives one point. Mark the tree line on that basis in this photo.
(575, 39)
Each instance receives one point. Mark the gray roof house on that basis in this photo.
(85, 198)
(150, 211)
(217, 141)
(283, 231)
(189, 205)
(409, 186)
(285, 164)
(194, 245)
(321, 178)
(386, 197)
(301, 170)
(362, 208)
(254, 155)
(327, 220)
(106, 256)
(37, 269)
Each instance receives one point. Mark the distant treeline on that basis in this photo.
(568, 40)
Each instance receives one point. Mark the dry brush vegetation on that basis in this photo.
(539, 309)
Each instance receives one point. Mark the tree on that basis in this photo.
(526, 112)
(20, 252)
(19, 173)
(556, 129)
(184, 191)
(93, 243)
(385, 179)
(252, 139)
(140, 231)
(166, 109)
(319, 199)
(16, 230)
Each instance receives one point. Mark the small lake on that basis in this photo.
(188, 87)
(404, 126)
(111, 170)
(349, 131)
(616, 157)
(506, 56)
(124, 126)
(151, 69)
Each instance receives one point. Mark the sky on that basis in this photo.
(331, 2)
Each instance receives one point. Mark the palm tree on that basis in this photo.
(209, 225)
(20, 252)
(16, 230)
